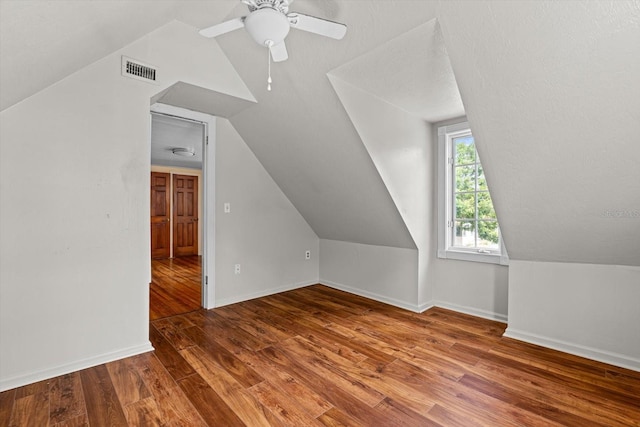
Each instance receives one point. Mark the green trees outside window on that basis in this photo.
(475, 223)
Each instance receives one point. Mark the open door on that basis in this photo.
(208, 132)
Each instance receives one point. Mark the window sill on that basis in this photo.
(473, 257)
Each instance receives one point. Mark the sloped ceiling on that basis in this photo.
(301, 132)
(550, 89)
(552, 93)
(43, 41)
(411, 71)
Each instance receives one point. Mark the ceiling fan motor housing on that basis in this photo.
(279, 5)
(267, 24)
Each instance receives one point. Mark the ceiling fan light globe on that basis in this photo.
(267, 24)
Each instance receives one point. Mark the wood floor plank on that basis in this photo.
(103, 406)
(404, 415)
(512, 397)
(213, 410)
(175, 408)
(31, 410)
(447, 392)
(173, 335)
(79, 421)
(231, 337)
(177, 367)
(567, 399)
(66, 398)
(244, 374)
(144, 412)
(127, 382)
(282, 406)
(243, 403)
(445, 417)
(7, 399)
(327, 389)
(175, 286)
(323, 364)
(40, 387)
(372, 374)
(319, 356)
(310, 401)
(337, 418)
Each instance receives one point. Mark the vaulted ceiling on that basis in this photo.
(550, 89)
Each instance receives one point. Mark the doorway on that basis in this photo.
(176, 237)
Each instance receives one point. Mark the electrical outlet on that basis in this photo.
(227, 207)
(236, 269)
(307, 255)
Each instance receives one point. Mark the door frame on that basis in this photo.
(208, 191)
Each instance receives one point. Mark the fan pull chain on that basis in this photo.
(269, 43)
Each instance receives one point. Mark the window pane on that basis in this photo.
(465, 178)
(485, 206)
(466, 206)
(488, 234)
(465, 150)
(464, 234)
(482, 181)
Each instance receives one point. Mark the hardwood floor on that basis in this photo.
(176, 286)
(320, 357)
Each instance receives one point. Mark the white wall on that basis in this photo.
(381, 273)
(474, 288)
(264, 233)
(585, 309)
(400, 146)
(74, 254)
(404, 150)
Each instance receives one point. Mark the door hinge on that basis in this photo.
(206, 138)
(206, 280)
(450, 160)
(450, 224)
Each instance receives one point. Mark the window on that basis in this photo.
(467, 223)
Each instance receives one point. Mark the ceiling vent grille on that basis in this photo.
(139, 70)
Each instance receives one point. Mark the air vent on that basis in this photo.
(139, 70)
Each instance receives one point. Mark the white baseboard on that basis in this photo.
(485, 314)
(32, 377)
(263, 293)
(425, 306)
(615, 359)
(374, 296)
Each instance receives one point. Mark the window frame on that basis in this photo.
(446, 250)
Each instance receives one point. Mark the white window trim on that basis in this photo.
(445, 206)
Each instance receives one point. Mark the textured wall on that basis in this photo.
(74, 254)
(552, 94)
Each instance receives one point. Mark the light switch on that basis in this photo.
(227, 207)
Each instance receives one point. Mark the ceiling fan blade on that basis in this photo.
(223, 28)
(279, 52)
(326, 28)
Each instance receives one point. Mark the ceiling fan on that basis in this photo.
(269, 21)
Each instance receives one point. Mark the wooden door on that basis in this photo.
(160, 216)
(185, 215)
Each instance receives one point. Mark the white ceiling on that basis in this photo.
(168, 133)
(300, 130)
(560, 77)
(43, 41)
(411, 71)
